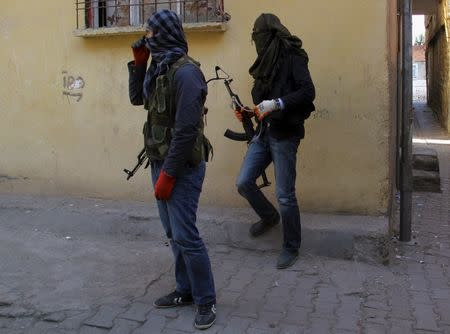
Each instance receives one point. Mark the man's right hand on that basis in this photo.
(140, 52)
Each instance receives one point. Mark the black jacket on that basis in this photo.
(293, 84)
(190, 94)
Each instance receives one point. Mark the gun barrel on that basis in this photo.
(129, 174)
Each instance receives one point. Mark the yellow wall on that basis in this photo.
(52, 144)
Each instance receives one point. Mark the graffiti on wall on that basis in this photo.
(321, 113)
(73, 86)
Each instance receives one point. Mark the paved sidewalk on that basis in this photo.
(61, 272)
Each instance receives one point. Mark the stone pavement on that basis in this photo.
(90, 266)
(420, 91)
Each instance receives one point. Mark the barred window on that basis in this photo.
(120, 13)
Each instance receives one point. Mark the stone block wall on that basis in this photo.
(438, 63)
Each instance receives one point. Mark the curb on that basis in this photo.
(359, 238)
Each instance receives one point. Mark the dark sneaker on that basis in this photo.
(287, 258)
(205, 317)
(172, 300)
(263, 226)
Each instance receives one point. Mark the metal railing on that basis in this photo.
(117, 13)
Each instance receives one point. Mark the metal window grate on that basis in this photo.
(118, 13)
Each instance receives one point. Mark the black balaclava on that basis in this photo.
(273, 42)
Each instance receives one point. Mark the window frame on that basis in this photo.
(104, 17)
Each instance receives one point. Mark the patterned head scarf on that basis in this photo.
(167, 45)
(273, 41)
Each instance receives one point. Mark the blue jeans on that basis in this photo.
(283, 153)
(178, 216)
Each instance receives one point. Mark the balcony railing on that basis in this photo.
(92, 14)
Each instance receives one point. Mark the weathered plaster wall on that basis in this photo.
(67, 126)
(438, 62)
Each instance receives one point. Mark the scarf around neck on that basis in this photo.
(167, 45)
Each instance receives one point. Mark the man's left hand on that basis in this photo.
(164, 186)
(263, 109)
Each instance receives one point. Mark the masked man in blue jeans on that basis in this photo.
(173, 91)
(283, 93)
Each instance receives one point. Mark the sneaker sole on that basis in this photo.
(204, 326)
(289, 264)
(172, 306)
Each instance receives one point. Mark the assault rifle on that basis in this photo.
(247, 123)
(142, 157)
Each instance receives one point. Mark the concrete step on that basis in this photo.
(426, 181)
(426, 170)
(361, 238)
(427, 160)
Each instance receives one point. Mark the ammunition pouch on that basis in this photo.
(158, 129)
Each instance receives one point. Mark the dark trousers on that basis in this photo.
(283, 153)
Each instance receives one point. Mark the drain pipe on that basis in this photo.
(406, 184)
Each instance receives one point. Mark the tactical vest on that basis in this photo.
(159, 127)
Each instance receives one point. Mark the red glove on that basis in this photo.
(164, 186)
(238, 115)
(140, 52)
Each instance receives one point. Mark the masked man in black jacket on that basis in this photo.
(173, 90)
(283, 93)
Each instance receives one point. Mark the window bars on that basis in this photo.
(118, 13)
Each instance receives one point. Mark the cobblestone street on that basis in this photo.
(318, 295)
